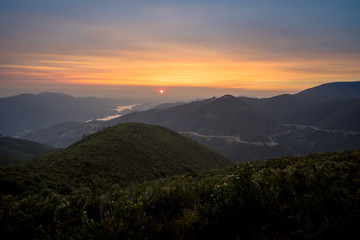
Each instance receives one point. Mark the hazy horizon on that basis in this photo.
(147, 92)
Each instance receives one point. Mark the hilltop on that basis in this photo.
(126, 153)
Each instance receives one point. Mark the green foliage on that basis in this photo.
(311, 197)
(14, 150)
(126, 153)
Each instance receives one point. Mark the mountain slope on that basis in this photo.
(27, 112)
(216, 116)
(21, 149)
(338, 114)
(64, 134)
(330, 91)
(282, 107)
(277, 106)
(126, 153)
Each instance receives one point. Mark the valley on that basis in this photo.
(271, 127)
(235, 139)
(119, 109)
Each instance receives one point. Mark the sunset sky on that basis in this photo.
(132, 48)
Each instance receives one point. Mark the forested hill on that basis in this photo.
(19, 149)
(310, 197)
(126, 153)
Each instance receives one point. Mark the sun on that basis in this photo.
(161, 91)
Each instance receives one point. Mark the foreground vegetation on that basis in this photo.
(311, 197)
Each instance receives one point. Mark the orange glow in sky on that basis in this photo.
(234, 45)
(155, 69)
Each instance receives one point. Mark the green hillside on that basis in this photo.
(311, 197)
(20, 149)
(9, 161)
(126, 153)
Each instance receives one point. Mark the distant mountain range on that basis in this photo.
(246, 129)
(332, 105)
(226, 115)
(24, 113)
(329, 92)
(64, 134)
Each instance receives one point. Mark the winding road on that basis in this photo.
(237, 139)
(298, 126)
(271, 142)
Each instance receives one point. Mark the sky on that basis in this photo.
(133, 48)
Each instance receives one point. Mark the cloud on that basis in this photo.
(204, 43)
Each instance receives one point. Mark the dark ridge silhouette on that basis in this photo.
(226, 115)
(27, 112)
(330, 91)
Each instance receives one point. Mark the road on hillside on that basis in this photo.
(298, 126)
(237, 139)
